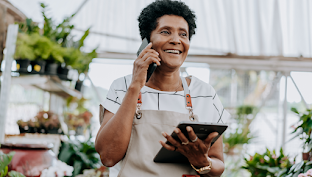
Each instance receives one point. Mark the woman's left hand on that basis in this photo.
(195, 150)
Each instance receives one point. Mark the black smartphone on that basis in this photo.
(152, 66)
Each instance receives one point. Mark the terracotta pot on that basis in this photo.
(30, 159)
(306, 155)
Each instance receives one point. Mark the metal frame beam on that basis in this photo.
(230, 61)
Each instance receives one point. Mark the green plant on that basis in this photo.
(33, 47)
(42, 46)
(58, 33)
(239, 137)
(28, 27)
(24, 48)
(80, 155)
(304, 128)
(245, 110)
(5, 160)
(77, 115)
(72, 55)
(295, 169)
(267, 164)
(57, 54)
(84, 60)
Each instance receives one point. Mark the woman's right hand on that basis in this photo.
(141, 64)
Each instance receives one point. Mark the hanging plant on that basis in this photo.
(303, 128)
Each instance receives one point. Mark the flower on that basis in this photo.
(307, 174)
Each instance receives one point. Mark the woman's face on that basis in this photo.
(171, 40)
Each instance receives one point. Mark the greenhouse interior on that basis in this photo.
(59, 59)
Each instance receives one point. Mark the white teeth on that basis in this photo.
(173, 51)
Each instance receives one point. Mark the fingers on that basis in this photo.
(209, 139)
(149, 55)
(181, 136)
(169, 138)
(148, 49)
(167, 146)
(191, 134)
(151, 58)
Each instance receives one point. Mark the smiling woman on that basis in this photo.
(170, 40)
(138, 115)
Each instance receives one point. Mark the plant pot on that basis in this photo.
(306, 155)
(51, 68)
(37, 67)
(54, 131)
(62, 72)
(23, 129)
(79, 85)
(22, 65)
(32, 130)
(30, 159)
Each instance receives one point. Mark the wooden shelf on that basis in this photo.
(50, 84)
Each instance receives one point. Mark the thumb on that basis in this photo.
(211, 137)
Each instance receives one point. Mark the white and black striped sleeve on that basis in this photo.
(221, 114)
(112, 102)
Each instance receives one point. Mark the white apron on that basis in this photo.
(147, 129)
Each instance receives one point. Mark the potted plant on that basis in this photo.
(267, 164)
(82, 66)
(241, 135)
(80, 155)
(70, 57)
(23, 126)
(33, 126)
(42, 47)
(55, 59)
(24, 52)
(73, 56)
(303, 130)
(49, 122)
(5, 160)
(296, 169)
(77, 117)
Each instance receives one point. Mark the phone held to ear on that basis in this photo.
(152, 66)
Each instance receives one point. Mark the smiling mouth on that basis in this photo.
(173, 51)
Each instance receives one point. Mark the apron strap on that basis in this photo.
(188, 101)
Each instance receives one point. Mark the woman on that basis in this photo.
(133, 130)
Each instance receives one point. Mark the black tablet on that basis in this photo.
(201, 129)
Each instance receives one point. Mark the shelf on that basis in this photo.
(50, 84)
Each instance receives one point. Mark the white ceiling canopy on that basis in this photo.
(257, 30)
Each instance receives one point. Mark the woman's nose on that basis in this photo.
(175, 39)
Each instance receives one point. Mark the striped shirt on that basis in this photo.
(205, 101)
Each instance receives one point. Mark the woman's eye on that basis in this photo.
(184, 34)
(164, 32)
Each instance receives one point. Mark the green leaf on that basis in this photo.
(77, 168)
(15, 174)
(294, 110)
(300, 164)
(5, 159)
(281, 172)
(66, 153)
(84, 36)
